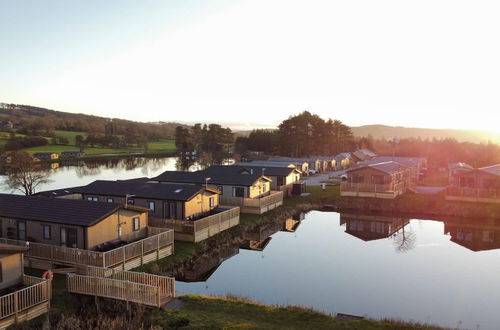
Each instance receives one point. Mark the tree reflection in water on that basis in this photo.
(404, 240)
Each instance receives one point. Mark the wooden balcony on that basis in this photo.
(255, 205)
(203, 228)
(477, 195)
(372, 190)
(25, 304)
(141, 288)
(158, 244)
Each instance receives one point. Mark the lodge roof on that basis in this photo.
(142, 189)
(406, 161)
(493, 169)
(268, 170)
(385, 167)
(217, 174)
(460, 165)
(56, 210)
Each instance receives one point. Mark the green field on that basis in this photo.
(70, 135)
(161, 146)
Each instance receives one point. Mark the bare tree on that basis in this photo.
(404, 241)
(24, 173)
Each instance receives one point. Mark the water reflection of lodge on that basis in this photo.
(258, 238)
(202, 269)
(372, 227)
(475, 236)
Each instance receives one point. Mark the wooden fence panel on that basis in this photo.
(114, 288)
(24, 299)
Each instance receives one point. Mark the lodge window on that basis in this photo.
(130, 201)
(152, 206)
(21, 230)
(93, 199)
(69, 237)
(47, 232)
(110, 200)
(136, 224)
(211, 202)
(238, 192)
(219, 188)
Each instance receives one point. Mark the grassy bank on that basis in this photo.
(197, 312)
(207, 312)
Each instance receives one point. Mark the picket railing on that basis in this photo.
(37, 292)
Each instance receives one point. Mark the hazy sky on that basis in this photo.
(411, 63)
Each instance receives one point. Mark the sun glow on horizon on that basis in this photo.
(388, 62)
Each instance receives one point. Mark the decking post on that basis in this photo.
(123, 265)
(158, 298)
(142, 253)
(157, 247)
(16, 305)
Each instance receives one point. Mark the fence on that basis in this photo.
(37, 292)
(142, 288)
(198, 230)
(166, 284)
(160, 238)
(116, 289)
(491, 195)
(255, 205)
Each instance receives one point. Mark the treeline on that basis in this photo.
(302, 135)
(439, 152)
(16, 143)
(205, 144)
(35, 121)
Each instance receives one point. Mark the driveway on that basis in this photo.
(316, 179)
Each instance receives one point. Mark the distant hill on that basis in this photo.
(390, 132)
(31, 118)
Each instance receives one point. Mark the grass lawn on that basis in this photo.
(88, 151)
(162, 145)
(207, 312)
(70, 136)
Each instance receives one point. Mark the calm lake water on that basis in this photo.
(77, 173)
(444, 273)
(337, 265)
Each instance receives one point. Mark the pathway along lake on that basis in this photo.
(442, 273)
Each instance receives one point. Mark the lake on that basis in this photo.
(77, 173)
(440, 272)
(381, 267)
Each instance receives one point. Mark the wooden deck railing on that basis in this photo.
(36, 293)
(116, 289)
(467, 193)
(166, 284)
(371, 187)
(197, 230)
(159, 237)
(273, 197)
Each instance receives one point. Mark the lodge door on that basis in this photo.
(69, 237)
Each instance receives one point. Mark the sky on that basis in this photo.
(419, 63)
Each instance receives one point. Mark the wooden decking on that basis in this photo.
(159, 244)
(146, 289)
(27, 303)
(255, 205)
(201, 229)
(389, 191)
(473, 195)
